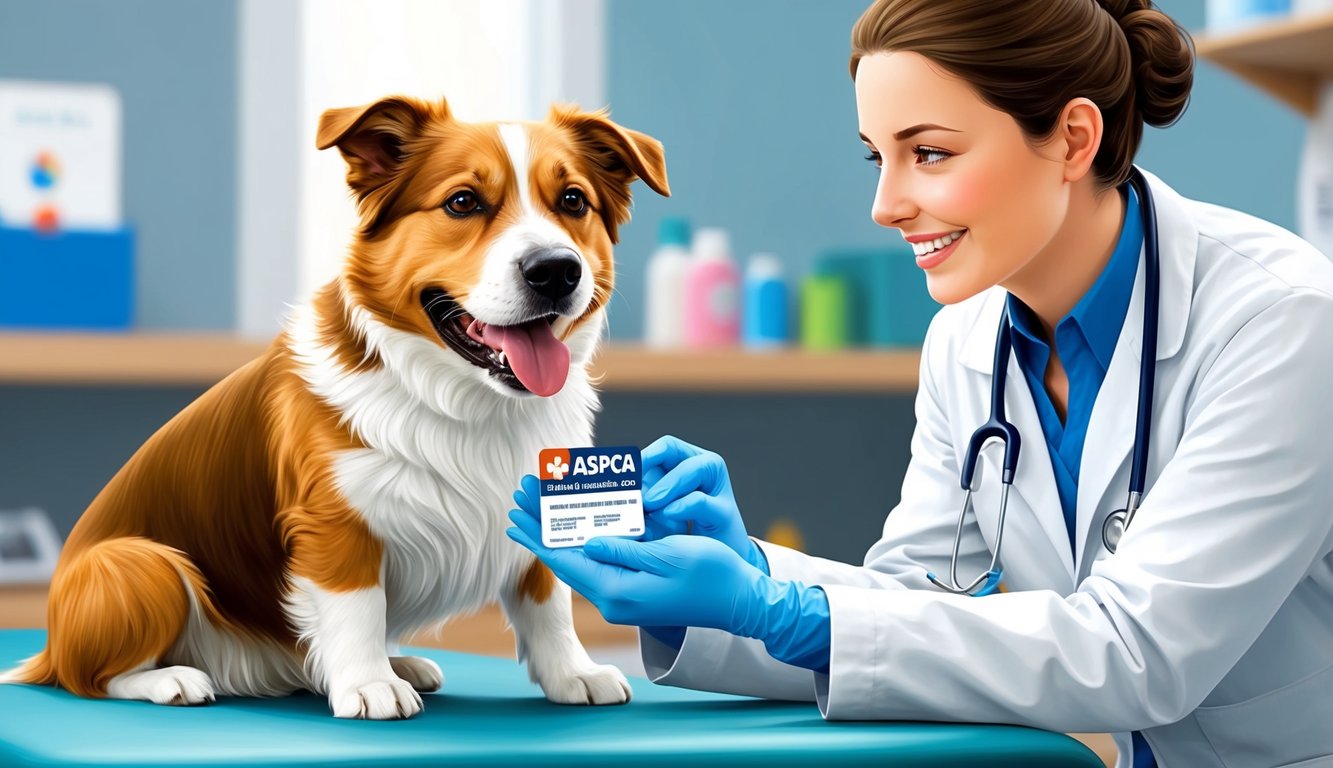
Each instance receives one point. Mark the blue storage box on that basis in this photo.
(66, 280)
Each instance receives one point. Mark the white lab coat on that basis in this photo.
(1212, 628)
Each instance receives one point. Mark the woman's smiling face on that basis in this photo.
(953, 166)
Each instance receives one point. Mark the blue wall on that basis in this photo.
(753, 102)
(755, 106)
(174, 64)
(751, 98)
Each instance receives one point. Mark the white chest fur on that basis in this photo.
(444, 454)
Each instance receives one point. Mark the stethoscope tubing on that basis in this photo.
(1148, 354)
(997, 427)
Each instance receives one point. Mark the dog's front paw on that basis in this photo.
(422, 674)
(376, 700)
(590, 684)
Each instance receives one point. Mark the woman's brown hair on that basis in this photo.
(1029, 58)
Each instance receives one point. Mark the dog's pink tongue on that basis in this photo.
(539, 359)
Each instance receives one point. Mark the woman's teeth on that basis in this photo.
(921, 249)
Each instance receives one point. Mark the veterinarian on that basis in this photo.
(1155, 561)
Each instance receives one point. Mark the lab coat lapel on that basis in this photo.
(1034, 483)
(1110, 436)
(1103, 483)
(1034, 492)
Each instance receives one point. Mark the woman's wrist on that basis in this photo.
(791, 619)
(756, 557)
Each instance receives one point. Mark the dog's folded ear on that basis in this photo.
(618, 156)
(373, 138)
(618, 150)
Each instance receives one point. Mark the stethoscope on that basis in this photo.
(998, 428)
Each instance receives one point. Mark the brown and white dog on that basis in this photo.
(351, 485)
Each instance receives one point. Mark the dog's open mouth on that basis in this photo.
(527, 357)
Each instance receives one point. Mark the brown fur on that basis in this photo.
(406, 157)
(119, 605)
(336, 331)
(537, 583)
(249, 458)
(236, 493)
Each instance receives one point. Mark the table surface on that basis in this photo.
(488, 714)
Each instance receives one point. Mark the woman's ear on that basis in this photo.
(372, 137)
(1080, 129)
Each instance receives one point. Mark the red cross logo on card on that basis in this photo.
(554, 463)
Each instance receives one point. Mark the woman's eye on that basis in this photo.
(929, 156)
(463, 203)
(875, 158)
(573, 202)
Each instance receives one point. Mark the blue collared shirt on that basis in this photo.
(1085, 339)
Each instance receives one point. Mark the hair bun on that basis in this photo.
(1162, 57)
(1118, 8)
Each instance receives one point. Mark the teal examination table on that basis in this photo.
(489, 714)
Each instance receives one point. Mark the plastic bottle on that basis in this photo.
(824, 316)
(664, 291)
(1314, 199)
(765, 303)
(712, 292)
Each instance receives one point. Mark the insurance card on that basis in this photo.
(587, 492)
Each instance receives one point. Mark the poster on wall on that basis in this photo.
(60, 156)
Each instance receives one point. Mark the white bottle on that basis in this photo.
(1314, 197)
(664, 291)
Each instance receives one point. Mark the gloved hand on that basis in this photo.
(688, 490)
(528, 518)
(528, 499)
(689, 581)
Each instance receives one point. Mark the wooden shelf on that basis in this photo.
(158, 359)
(1289, 58)
(203, 359)
(634, 368)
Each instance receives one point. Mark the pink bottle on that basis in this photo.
(712, 292)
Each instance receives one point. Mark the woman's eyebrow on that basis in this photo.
(907, 133)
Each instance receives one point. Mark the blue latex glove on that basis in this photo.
(688, 490)
(528, 498)
(689, 581)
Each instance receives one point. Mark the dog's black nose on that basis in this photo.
(552, 272)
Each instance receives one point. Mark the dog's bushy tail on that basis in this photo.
(118, 605)
(35, 670)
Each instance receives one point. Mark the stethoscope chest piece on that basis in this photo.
(1113, 529)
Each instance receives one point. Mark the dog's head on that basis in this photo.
(492, 239)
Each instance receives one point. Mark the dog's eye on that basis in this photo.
(573, 202)
(463, 203)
